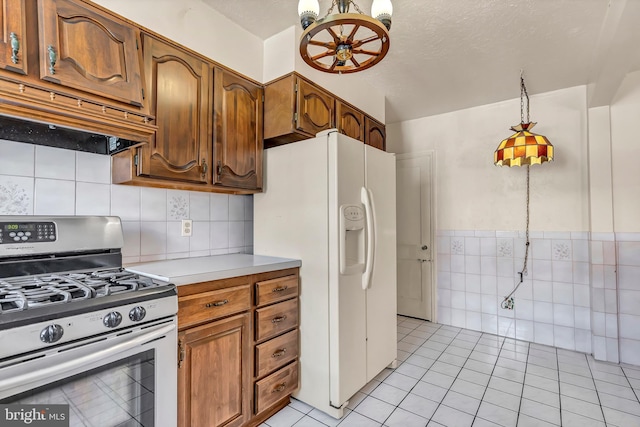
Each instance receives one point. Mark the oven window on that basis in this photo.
(119, 394)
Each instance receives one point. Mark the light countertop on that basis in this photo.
(185, 271)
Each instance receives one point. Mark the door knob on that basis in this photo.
(424, 247)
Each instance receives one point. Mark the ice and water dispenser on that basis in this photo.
(352, 239)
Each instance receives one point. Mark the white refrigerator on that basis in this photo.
(330, 201)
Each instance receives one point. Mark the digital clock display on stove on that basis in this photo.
(20, 227)
(27, 232)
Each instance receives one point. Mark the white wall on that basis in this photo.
(473, 194)
(625, 116)
(199, 27)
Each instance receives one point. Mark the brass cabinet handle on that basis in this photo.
(217, 303)
(279, 352)
(204, 167)
(278, 319)
(280, 387)
(53, 58)
(280, 289)
(181, 353)
(15, 47)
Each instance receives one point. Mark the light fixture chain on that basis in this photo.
(523, 95)
(356, 7)
(526, 250)
(334, 3)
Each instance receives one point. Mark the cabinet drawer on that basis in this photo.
(277, 318)
(198, 308)
(276, 352)
(281, 288)
(276, 386)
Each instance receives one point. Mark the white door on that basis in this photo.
(415, 215)
(382, 291)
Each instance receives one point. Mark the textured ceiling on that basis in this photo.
(447, 55)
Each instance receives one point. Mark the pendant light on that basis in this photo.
(523, 148)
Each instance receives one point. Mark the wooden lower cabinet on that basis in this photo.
(238, 349)
(213, 372)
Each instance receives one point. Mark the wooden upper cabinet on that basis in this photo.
(375, 134)
(237, 131)
(83, 48)
(295, 109)
(179, 90)
(350, 121)
(315, 110)
(13, 40)
(214, 374)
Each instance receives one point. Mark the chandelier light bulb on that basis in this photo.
(382, 11)
(308, 10)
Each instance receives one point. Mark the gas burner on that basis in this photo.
(27, 292)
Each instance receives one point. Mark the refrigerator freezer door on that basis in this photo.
(381, 294)
(347, 304)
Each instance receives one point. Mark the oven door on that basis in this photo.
(127, 378)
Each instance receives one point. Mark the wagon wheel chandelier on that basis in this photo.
(344, 42)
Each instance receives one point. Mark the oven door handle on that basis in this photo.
(86, 359)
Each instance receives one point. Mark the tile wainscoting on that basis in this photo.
(38, 180)
(581, 292)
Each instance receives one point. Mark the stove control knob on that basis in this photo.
(51, 333)
(137, 313)
(112, 319)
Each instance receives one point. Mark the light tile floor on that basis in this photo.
(458, 378)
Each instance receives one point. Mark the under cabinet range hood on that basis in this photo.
(21, 130)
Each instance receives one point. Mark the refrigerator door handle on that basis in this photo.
(369, 210)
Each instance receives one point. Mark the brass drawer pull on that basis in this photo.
(280, 387)
(217, 303)
(279, 353)
(278, 319)
(280, 289)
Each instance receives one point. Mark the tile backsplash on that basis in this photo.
(39, 180)
(581, 291)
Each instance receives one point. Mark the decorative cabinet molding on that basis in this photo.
(83, 48)
(13, 40)
(296, 108)
(238, 112)
(375, 134)
(71, 63)
(179, 89)
(350, 121)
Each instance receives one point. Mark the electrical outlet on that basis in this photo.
(187, 226)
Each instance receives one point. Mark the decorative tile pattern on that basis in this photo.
(177, 206)
(561, 251)
(505, 248)
(457, 247)
(14, 198)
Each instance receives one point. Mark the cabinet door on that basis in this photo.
(83, 48)
(213, 374)
(237, 131)
(179, 91)
(13, 40)
(315, 108)
(375, 134)
(350, 121)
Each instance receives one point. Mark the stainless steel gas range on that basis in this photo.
(77, 329)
